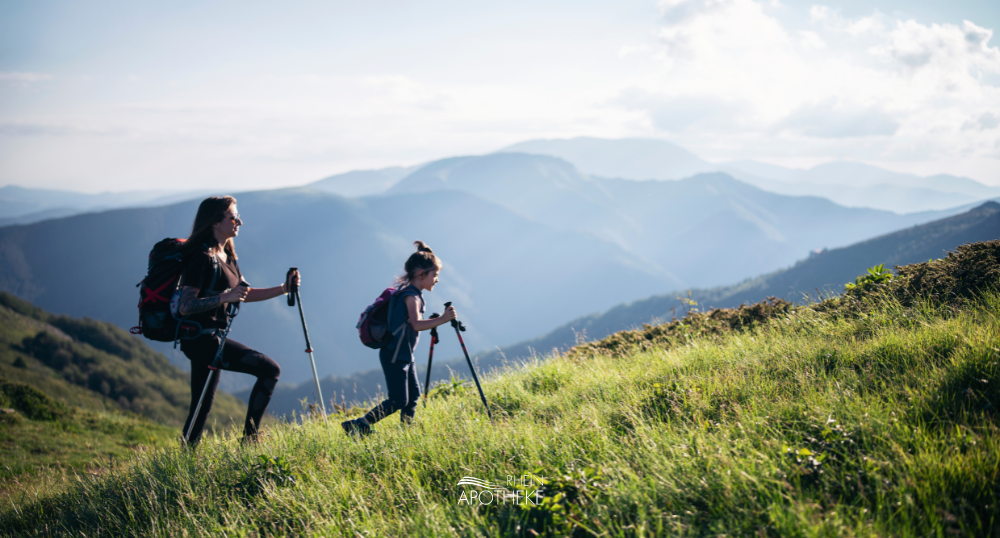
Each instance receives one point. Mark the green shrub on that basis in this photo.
(875, 276)
(30, 402)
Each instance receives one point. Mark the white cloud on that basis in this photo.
(820, 13)
(630, 50)
(985, 121)
(945, 45)
(811, 39)
(737, 80)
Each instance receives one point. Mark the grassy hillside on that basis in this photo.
(79, 390)
(870, 414)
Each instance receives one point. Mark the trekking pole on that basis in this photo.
(234, 308)
(430, 358)
(293, 295)
(459, 329)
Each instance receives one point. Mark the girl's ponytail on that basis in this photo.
(421, 261)
(422, 247)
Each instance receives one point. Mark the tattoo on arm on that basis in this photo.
(191, 304)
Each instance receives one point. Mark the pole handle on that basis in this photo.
(292, 287)
(434, 331)
(455, 323)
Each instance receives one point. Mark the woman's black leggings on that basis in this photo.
(236, 357)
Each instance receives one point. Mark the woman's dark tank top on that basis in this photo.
(198, 274)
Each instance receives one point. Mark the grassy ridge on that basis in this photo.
(873, 415)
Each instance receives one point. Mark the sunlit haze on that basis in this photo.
(132, 95)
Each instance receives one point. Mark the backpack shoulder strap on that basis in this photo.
(216, 268)
(388, 316)
(399, 295)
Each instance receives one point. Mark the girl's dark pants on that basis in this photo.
(236, 357)
(404, 391)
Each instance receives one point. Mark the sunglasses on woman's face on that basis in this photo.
(235, 218)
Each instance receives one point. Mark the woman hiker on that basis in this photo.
(211, 280)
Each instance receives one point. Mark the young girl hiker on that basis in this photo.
(406, 315)
(207, 286)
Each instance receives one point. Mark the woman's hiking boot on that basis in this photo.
(357, 427)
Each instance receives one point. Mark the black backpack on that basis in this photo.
(159, 294)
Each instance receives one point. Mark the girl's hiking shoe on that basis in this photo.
(357, 427)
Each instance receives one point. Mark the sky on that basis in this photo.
(124, 95)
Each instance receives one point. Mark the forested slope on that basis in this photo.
(78, 390)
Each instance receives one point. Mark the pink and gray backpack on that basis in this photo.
(373, 326)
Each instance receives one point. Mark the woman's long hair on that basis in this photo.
(420, 261)
(211, 212)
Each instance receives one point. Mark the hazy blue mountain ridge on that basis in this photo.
(21, 205)
(846, 183)
(546, 189)
(358, 183)
(38, 216)
(706, 229)
(865, 186)
(631, 158)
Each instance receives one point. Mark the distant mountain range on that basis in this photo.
(706, 230)
(21, 205)
(363, 182)
(824, 272)
(846, 183)
(627, 158)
